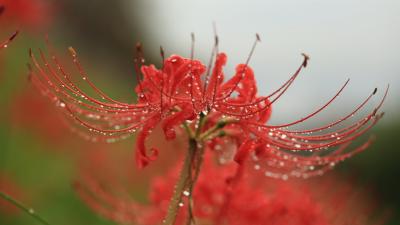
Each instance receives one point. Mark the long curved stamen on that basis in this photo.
(10, 39)
(74, 89)
(244, 69)
(87, 80)
(350, 136)
(207, 78)
(138, 62)
(284, 85)
(162, 54)
(190, 71)
(259, 110)
(217, 72)
(336, 122)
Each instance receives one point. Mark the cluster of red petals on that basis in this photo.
(182, 91)
(40, 118)
(221, 200)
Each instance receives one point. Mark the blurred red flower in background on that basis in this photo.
(31, 112)
(220, 200)
(27, 14)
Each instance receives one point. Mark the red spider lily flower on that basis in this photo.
(213, 110)
(220, 201)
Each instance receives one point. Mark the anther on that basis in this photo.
(162, 53)
(14, 35)
(72, 51)
(306, 58)
(192, 36)
(375, 111)
(253, 48)
(258, 37)
(139, 47)
(192, 48)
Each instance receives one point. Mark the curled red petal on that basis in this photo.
(178, 118)
(142, 158)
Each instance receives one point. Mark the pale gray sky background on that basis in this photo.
(352, 39)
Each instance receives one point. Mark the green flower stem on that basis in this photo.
(202, 121)
(220, 124)
(21, 206)
(181, 185)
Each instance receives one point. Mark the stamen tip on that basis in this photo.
(375, 111)
(162, 53)
(375, 90)
(72, 51)
(306, 58)
(192, 36)
(14, 35)
(139, 46)
(258, 37)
